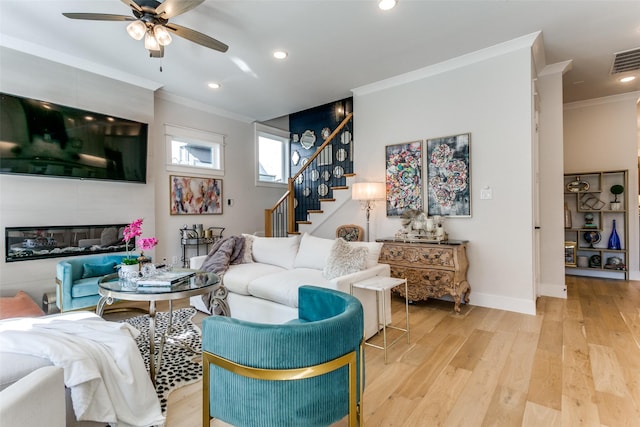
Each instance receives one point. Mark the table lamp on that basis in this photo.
(367, 193)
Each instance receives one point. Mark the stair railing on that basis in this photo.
(280, 220)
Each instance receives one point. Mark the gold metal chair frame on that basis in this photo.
(349, 359)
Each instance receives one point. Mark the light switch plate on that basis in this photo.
(486, 194)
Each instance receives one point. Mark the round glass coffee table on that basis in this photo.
(112, 288)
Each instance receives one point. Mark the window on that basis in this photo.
(272, 154)
(191, 148)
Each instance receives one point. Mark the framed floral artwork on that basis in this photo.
(195, 196)
(449, 176)
(404, 177)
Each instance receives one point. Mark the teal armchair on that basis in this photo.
(77, 280)
(307, 372)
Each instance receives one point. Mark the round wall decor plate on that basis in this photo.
(295, 158)
(338, 171)
(326, 175)
(315, 175)
(345, 138)
(326, 132)
(306, 191)
(299, 179)
(323, 190)
(341, 155)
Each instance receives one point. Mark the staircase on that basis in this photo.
(312, 197)
(341, 195)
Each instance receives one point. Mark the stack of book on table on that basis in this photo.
(165, 278)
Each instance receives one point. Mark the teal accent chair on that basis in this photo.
(307, 372)
(75, 292)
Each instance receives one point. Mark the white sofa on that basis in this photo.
(265, 289)
(35, 400)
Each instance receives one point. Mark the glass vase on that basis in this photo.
(614, 239)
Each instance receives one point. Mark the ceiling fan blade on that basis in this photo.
(170, 8)
(99, 17)
(132, 4)
(197, 37)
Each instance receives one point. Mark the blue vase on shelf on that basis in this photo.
(614, 239)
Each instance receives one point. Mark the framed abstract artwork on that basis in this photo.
(449, 176)
(195, 196)
(403, 177)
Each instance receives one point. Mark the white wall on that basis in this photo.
(488, 94)
(602, 135)
(246, 214)
(34, 201)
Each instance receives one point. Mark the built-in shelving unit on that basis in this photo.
(589, 194)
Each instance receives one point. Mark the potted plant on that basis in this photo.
(616, 190)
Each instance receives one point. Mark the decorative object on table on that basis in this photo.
(403, 175)
(567, 217)
(592, 237)
(570, 254)
(583, 261)
(616, 190)
(367, 193)
(615, 263)
(417, 225)
(130, 233)
(614, 239)
(195, 196)
(590, 202)
(130, 266)
(448, 175)
(577, 185)
(588, 221)
(595, 261)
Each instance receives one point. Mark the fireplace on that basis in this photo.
(31, 243)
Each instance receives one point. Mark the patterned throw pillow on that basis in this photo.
(344, 259)
(247, 256)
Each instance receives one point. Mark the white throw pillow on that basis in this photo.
(345, 259)
(247, 256)
(280, 251)
(313, 252)
(374, 249)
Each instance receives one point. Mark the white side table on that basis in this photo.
(380, 285)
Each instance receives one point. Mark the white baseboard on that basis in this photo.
(503, 303)
(555, 290)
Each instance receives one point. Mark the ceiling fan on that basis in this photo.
(151, 20)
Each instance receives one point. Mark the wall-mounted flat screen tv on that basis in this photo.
(41, 138)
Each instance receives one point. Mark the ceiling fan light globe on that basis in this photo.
(162, 35)
(137, 29)
(150, 42)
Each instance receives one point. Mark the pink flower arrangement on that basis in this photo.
(132, 231)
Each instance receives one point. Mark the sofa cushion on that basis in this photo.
(283, 287)
(95, 270)
(21, 365)
(20, 305)
(280, 251)
(85, 287)
(373, 248)
(345, 259)
(247, 255)
(313, 252)
(238, 276)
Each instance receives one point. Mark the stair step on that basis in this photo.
(340, 187)
(327, 200)
(304, 222)
(315, 211)
(293, 232)
(349, 174)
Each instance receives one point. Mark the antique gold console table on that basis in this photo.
(432, 269)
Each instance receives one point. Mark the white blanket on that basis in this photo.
(101, 361)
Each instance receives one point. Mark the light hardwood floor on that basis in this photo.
(576, 363)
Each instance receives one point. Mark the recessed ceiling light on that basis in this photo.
(280, 54)
(627, 79)
(214, 85)
(387, 4)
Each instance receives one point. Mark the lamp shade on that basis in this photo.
(137, 29)
(368, 191)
